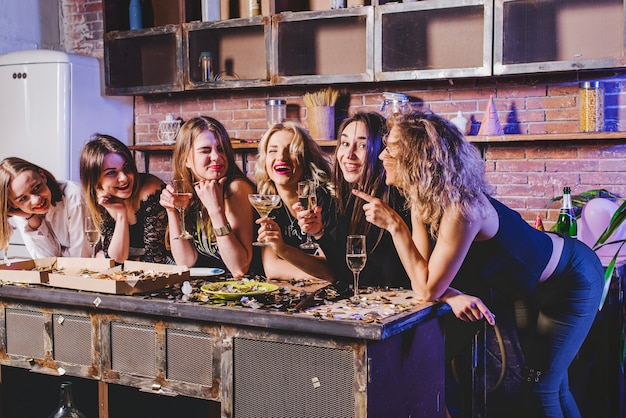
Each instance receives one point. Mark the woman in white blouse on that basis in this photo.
(48, 213)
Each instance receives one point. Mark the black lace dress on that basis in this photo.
(147, 235)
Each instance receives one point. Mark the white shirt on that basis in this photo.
(61, 233)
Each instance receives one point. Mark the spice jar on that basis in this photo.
(205, 65)
(591, 102)
(275, 111)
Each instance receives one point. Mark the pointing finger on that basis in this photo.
(368, 198)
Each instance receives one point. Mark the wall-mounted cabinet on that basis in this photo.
(558, 35)
(323, 47)
(239, 53)
(148, 61)
(294, 43)
(433, 39)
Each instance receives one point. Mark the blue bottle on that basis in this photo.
(134, 15)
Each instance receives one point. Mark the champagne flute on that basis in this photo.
(182, 195)
(264, 204)
(92, 234)
(356, 256)
(308, 200)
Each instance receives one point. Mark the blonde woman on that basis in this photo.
(288, 155)
(218, 215)
(461, 233)
(48, 213)
(123, 202)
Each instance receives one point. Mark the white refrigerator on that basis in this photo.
(51, 102)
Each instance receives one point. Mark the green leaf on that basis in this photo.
(616, 220)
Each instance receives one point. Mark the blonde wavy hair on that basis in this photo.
(315, 164)
(437, 168)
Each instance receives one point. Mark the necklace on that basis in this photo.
(292, 231)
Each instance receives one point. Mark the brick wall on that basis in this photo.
(525, 175)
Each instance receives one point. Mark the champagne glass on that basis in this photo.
(182, 195)
(356, 256)
(308, 200)
(92, 234)
(264, 204)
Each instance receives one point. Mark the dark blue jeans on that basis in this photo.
(563, 308)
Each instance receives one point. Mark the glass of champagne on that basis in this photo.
(356, 256)
(308, 200)
(264, 204)
(182, 195)
(92, 234)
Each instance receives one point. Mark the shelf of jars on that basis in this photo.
(558, 35)
(580, 136)
(433, 39)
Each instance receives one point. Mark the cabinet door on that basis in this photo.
(239, 52)
(433, 39)
(333, 46)
(557, 35)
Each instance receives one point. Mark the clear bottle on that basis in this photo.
(66, 407)
(591, 105)
(566, 223)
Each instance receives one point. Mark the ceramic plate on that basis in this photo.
(205, 271)
(237, 289)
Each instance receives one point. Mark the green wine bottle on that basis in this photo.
(566, 223)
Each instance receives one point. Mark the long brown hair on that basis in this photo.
(91, 160)
(372, 180)
(185, 139)
(10, 168)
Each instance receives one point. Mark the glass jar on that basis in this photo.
(591, 104)
(275, 111)
(205, 65)
(394, 104)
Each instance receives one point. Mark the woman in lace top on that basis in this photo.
(219, 216)
(123, 202)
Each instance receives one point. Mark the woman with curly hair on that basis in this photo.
(48, 213)
(123, 203)
(219, 215)
(288, 155)
(461, 233)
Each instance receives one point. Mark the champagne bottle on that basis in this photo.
(66, 404)
(566, 223)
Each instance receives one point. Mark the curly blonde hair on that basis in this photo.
(310, 155)
(437, 168)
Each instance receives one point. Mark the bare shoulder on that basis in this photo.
(240, 188)
(151, 184)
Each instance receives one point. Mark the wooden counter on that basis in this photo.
(249, 362)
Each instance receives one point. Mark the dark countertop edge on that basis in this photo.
(278, 321)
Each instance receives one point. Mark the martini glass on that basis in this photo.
(264, 204)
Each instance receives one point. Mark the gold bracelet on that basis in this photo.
(223, 230)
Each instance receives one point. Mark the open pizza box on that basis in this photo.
(27, 271)
(130, 278)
